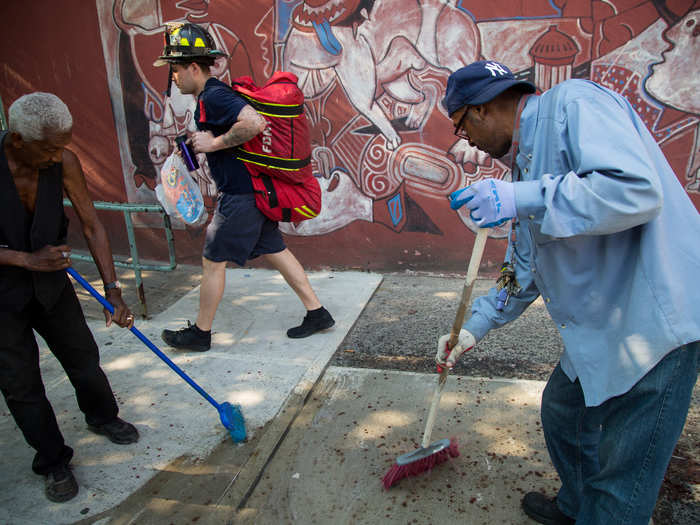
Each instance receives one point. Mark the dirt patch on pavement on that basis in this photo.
(400, 326)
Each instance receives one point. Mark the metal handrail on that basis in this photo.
(135, 263)
(3, 121)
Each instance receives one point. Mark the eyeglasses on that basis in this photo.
(459, 130)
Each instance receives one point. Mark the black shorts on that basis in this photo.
(239, 232)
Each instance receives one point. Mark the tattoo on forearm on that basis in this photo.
(238, 134)
(245, 129)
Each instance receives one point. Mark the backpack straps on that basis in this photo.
(272, 162)
(272, 197)
(274, 110)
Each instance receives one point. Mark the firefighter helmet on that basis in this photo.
(186, 42)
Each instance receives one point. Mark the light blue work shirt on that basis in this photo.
(606, 234)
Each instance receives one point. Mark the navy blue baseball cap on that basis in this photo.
(478, 83)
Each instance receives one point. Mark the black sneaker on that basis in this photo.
(544, 510)
(60, 485)
(118, 431)
(188, 338)
(314, 321)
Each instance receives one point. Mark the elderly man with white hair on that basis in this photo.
(36, 169)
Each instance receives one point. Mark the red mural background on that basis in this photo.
(373, 73)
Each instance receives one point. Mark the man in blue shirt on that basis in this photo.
(238, 231)
(604, 232)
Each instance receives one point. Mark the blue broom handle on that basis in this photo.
(143, 338)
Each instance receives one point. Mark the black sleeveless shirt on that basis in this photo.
(22, 231)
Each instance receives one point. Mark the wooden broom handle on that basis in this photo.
(472, 272)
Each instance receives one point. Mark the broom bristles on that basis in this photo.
(398, 472)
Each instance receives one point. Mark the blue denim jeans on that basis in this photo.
(612, 458)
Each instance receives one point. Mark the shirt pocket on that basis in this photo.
(539, 238)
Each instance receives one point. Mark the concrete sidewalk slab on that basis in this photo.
(328, 470)
(251, 362)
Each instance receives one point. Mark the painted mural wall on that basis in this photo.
(373, 73)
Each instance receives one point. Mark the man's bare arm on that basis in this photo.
(13, 258)
(249, 124)
(47, 259)
(95, 234)
(93, 230)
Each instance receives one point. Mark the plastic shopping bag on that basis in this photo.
(179, 193)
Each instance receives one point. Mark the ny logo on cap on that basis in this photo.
(495, 67)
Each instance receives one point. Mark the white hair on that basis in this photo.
(32, 115)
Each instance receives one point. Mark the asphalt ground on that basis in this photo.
(397, 331)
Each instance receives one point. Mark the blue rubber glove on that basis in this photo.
(491, 201)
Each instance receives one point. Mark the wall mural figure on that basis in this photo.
(387, 58)
(373, 73)
(662, 85)
(373, 46)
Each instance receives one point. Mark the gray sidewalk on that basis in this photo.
(251, 363)
(329, 467)
(320, 438)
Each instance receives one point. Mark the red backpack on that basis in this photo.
(279, 158)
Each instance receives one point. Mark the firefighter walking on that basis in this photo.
(238, 231)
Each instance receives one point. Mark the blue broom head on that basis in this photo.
(232, 419)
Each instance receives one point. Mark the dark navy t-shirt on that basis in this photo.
(217, 110)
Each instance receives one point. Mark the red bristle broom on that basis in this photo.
(431, 454)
